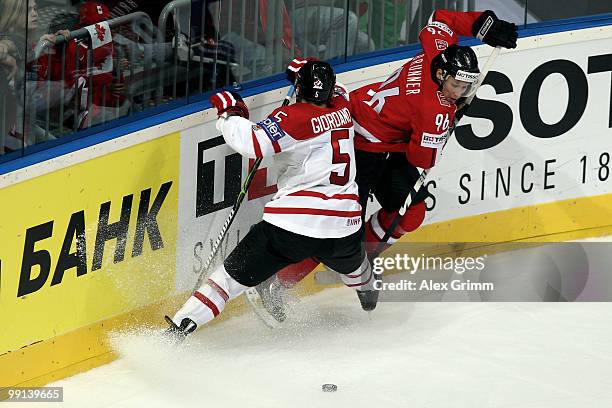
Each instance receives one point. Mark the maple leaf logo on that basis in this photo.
(100, 32)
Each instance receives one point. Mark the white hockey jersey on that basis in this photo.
(317, 194)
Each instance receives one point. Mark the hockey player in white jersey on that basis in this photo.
(316, 211)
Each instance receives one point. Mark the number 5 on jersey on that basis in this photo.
(340, 158)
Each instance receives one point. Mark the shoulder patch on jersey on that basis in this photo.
(441, 45)
(441, 26)
(272, 129)
(340, 90)
(443, 101)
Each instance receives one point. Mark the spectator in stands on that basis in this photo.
(16, 15)
(149, 53)
(100, 87)
(392, 23)
(261, 46)
(42, 92)
(12, 15)
(212, 55)
(8, 58)
(327, 30)
(7, 106)
(39, 88)
(8, 71)
(384, 19)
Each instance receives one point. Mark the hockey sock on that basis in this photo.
(380, 221)
(290, 275)
(209, 301)
(361, 279)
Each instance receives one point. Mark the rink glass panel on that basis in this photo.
(13, 47)
(158, 56)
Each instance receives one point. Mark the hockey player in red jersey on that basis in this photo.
(402, 124)
(316, 211)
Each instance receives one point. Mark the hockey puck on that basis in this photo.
(329, 387)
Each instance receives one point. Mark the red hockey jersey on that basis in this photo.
(315, 161)
(407, 113)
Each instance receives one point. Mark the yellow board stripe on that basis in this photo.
(575, 218)
(85, 348)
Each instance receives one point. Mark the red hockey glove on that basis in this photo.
(295, 65)
(495, 32)
(229, 103)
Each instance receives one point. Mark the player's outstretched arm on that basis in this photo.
(233, 122)
(253, 140)
(444, 28)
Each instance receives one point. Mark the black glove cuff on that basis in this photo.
(483, 24)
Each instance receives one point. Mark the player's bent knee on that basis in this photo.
(413, 218)
(382, 220)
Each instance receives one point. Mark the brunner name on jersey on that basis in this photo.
(413, 78)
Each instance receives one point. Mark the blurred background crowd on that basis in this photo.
(70, 68)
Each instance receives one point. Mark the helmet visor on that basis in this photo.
(464, 83)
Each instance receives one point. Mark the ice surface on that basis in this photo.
(403, 355)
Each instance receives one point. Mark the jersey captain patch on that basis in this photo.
(272, 129)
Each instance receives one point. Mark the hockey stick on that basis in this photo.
(419, 183)
(234, 211)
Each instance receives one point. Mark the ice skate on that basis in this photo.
(368, 299)
(270, 292)
(178, 333)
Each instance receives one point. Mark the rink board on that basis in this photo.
(500, 180)
(69, 271)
